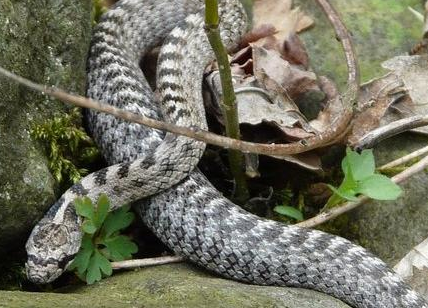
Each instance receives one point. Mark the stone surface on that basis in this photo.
(45, 41)
(380, 29)
(178, 285)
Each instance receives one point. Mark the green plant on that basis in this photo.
(102, 241)
(68, 146)
(360, 178)
(287, 210)
(98, 8)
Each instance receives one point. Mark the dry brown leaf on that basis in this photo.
(400, 94)
(263, 121)
(272, 71)
(255, 109)
(413, 71)
(287, 22)
(280, 14)
(375, 99)
(294, 51)
(256, 34)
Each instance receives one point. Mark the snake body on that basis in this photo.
(183, 209)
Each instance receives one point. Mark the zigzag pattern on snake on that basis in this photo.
(191, 216)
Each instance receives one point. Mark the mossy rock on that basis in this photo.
(381, 29)
(175, 285)
(45, 41)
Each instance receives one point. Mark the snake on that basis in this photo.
(157, 171)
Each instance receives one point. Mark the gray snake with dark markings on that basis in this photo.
(181, 207)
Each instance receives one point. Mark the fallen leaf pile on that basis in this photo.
(273, 83)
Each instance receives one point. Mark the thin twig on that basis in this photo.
(335, 212)
(193, 132)
(327, 137)
(391, 129)
(348, 100)
(404, 159)
(342, 34)
(127, 264)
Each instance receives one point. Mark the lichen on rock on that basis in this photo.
(46, 42)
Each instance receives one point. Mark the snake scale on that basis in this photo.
(181, 207)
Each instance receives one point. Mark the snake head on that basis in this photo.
(51, 247)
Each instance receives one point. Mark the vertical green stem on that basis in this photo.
(228, 106)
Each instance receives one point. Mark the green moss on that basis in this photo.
(182, 285)
(169, 286)
(68, 146)
(98, 8)
(380, 30)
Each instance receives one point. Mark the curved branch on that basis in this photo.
(191, 132)
(389, 130)
(329, 136)
(342, 34)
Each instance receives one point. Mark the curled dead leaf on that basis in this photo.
(273, 71)
(280, 14)
(400, 94)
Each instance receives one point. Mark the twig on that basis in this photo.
(391, 129)
(348, 99)
(193, 132)
(327, 137)
(343, 36)
(334, 212)
(127, 264)
(228, 104)
(342, 125)
(404, 159)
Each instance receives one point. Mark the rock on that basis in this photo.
(391, 229)
(174, 285)
(380, 30)
(46, 42)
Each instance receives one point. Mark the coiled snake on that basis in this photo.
(183, 208)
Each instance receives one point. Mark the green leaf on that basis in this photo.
(119, 247)
(104, 264)
(81, 261)
(117, 220)
(361, 165)
(379, 187)
(289, 211)
(89, 227)
(87, 242)
(84, 207)
(103, 205)
(348, 182)
(93, 273)
(101, 232)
